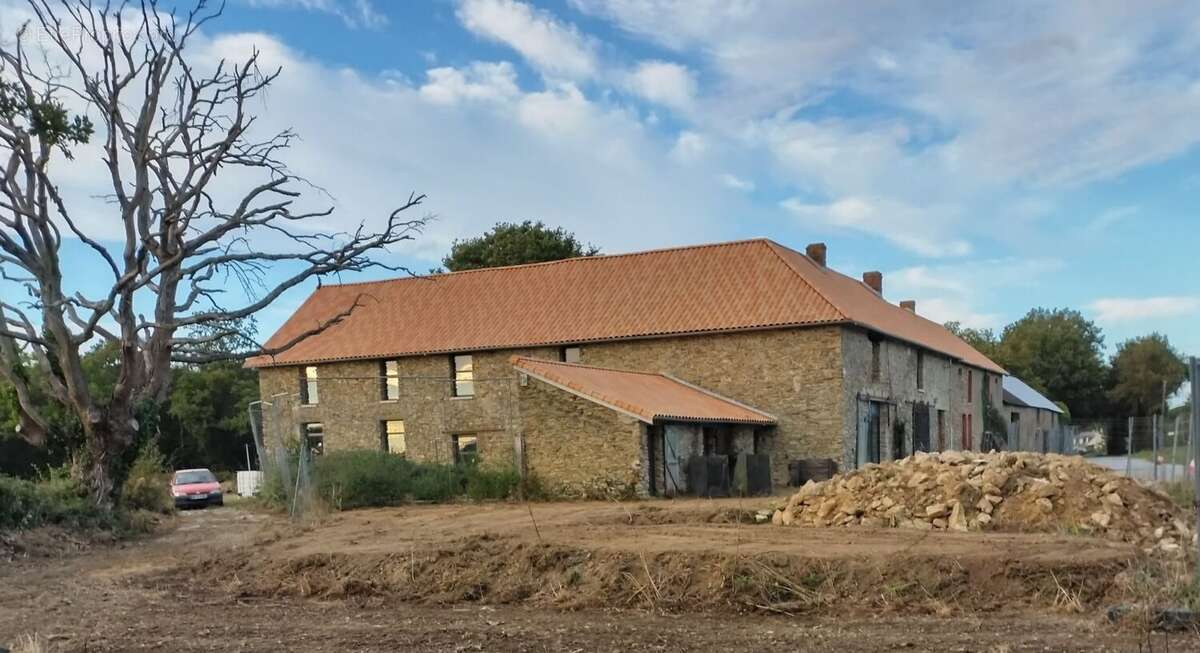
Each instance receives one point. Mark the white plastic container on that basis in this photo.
(248, 483)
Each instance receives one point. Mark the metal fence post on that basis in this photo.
(1195, 435)
(1174, 449)
(1154, 442)
(1129, 447)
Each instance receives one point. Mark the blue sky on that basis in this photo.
(987, 158)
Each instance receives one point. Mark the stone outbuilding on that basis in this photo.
(425, 366)
(1033, 420)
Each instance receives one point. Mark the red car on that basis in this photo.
(196, 487)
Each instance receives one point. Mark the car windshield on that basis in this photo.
(196, 476)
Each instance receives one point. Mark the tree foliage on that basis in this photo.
(983, 340)
(510, 243)
(203, 422)
(1142, 369)
(1061, 354)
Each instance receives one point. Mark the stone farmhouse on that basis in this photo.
(609, 371)
(1033, 420)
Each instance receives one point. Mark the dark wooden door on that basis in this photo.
(921, 427)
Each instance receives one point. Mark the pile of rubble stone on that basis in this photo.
(1008, 491)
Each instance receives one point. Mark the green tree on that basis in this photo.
(206, 423)
(983, 340)
(1142, 368)
(510, 243)
(1061, 354)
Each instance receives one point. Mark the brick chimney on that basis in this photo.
(874, 281)
(816, 252)
(909, 305)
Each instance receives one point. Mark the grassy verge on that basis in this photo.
(1181, 456)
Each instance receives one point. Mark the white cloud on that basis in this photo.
(942, 310)
(689, 146)
(483, 151)
(1127, 309)
(966, 291)
(354, 13)
(480, 80)
(901, 224)
(962, 105)
(737, 183)
(1111, 217)
(663, 82)
(553, 47)
(558, 111)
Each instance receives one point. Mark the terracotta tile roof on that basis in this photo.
(862, 305)
(751, 284)
(649, 397)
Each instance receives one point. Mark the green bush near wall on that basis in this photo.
(344, 480)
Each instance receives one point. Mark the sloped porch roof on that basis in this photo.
(649, 397)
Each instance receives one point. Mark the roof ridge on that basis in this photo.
(573, 259)
(773, 246)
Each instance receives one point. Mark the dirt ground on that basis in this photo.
(230, 579)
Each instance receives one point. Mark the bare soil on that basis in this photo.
(661, 576)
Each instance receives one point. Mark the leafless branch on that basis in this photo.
(168, 128)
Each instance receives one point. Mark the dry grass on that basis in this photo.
(33, 643)
(1155, 583)
(1066, 598)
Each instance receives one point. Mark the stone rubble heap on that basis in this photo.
(1005, 491)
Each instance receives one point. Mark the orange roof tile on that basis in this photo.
(863, 306)
(648, 397)
(751, 284)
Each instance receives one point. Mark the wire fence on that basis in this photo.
(284, 452)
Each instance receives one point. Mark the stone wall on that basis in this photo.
(1032, 426)
(793, 374)
(351, 404)
(987, 389)
(944, 392)
(895, 387)
(580, 448)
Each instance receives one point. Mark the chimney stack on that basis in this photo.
(874, 281)
(909, 305)
(816, 252)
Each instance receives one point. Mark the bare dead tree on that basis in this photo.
(167, 131)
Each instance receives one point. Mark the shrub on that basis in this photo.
(356, 479)
(492, 483)
(147, 486)
(272, 490)
(437, 482)
(344, 480)
(53, 499)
